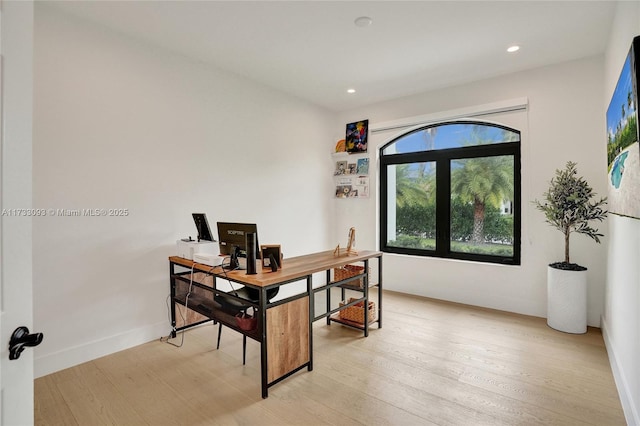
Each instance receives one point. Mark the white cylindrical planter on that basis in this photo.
(567, 300)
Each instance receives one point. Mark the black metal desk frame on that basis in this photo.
(214, 314)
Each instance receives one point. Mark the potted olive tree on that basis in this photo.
(568, 207)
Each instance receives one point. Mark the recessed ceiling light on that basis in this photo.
(363, 21)
(513, 48)
(351, 90)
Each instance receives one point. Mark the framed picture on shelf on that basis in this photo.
(343, 191)
(352, 168)
(341, 168)
(363, 166)
(362, 186)
(357, 136)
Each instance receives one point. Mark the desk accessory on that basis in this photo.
(271, 255)
(351, 245)
(251, 253)
(202, 225)
(273, 262)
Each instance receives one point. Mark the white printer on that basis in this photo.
(206, 252)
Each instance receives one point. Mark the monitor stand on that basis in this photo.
(236, 262)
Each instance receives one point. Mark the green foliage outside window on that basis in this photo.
(416, 228)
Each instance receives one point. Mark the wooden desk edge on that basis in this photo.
(292, 268)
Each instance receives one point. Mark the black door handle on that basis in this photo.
(20, 339)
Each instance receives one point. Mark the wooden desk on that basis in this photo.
(284, 327)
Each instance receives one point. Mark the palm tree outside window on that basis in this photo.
(452, 190)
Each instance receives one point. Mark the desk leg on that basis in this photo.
(262, 308)
(172, 288)
(311, 313)
(365, 283)
(380, 291)
(328, 296)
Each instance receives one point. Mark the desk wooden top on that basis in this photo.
(292, 268)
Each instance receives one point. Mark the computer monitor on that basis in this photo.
(232, 237)
(202, 225)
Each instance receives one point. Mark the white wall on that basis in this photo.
(120, 124)
(621, 317)
(565, 122)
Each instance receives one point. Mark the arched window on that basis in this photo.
(452, 190)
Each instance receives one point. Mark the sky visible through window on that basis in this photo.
(450, 136)
(620, 98)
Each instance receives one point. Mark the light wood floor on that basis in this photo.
(432, 363)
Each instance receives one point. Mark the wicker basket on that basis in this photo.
(348, 271)
(355, 313)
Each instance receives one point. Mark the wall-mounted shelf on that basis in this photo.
(351, 175)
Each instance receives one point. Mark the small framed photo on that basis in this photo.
(341, 168)
(268, 250)
(343, 191)
(363, 166)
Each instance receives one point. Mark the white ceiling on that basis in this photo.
(313, 50)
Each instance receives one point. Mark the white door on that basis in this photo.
(16, 301)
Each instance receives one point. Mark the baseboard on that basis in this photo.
(50, 363)
(628, 407)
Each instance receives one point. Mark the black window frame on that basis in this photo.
(443, 159)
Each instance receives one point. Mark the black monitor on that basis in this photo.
(232, 238)
(202, 225)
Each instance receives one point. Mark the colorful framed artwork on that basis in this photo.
(357, 136)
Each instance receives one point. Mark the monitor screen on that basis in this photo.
(202, 225)
(232, 235)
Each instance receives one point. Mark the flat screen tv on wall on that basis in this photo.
(623, 149)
